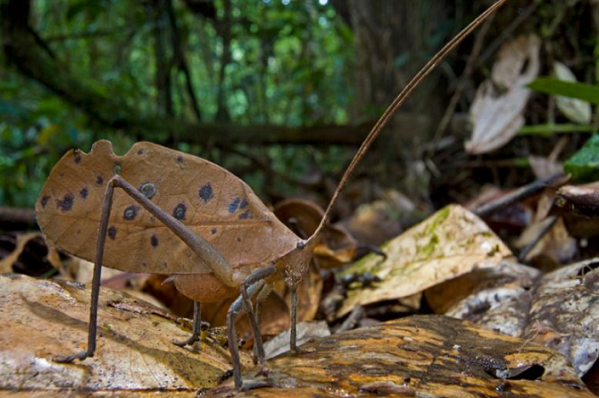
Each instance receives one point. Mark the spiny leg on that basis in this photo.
(232, 334)
(293, 331)
(197, 327)
(201, 247)
(93, 312)
(255, 276)
(261, 298)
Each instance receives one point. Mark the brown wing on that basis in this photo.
(207, 198)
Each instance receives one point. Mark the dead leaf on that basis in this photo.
(208, 199)
(451, 242)
(45, 319)
(556, 243)
(497, 110)
(7, 262)
(565, 313)
(306, 331)
(420, 356)
(575, 110)
(579, 207)
(495, 298)
(336, 245)
(374, 223)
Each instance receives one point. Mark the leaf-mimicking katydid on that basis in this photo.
(162, 211)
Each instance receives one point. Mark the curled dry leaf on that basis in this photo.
(41, 320)
(575, 110)
(336, 246)
(495, 298)
(451, 242)
(497, 111)
(556, 244)
(420, 356)
(565, 313)
(559, 309)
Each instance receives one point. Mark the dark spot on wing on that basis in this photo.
(238, 239)
(179, 159)
(77, 158)
(130, 212)
(140, 152)
(213, 231)
(165, 265)
(246, 214)
(206, 193)
(243, 204)
(83, 193)
(112, 233)
(148, 190)
(45, 200)
(154, 241)
(179, 211)
(66, 203)
(99, 180)
(234, 205)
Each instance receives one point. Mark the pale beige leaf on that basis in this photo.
(576, 110)
(305, 332)
(508, 70)
(497, 110)
(450, 243)
(42, 320)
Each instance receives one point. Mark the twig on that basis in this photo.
(516, 196)
(528, 248)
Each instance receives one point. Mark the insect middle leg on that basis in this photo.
(197, 326)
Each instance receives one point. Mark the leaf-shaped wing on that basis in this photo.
(207, 198)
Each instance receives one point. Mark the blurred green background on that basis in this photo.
(278, 91)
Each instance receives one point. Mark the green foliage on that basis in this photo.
(289, 65)
(584, 165)
(553, 86)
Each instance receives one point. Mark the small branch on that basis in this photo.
(519, 194)
(13, 218)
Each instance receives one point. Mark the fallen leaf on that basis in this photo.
(495, 298)
(420, 356)
(579, 207)
(306, 331)
(575, 110)
(451, 242)
(498, 107)
(7, 262)
(565, 313)
(556, 243)
(42, 320)
(336, 246)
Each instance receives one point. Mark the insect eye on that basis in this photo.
(148, 190)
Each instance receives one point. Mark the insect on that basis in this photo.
(163, 211)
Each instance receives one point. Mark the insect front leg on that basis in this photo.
(235, 307)
(93, 312)
(261, 298)
(255, 276)
(293, 331)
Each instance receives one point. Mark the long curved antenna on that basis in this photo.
(399, 100)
